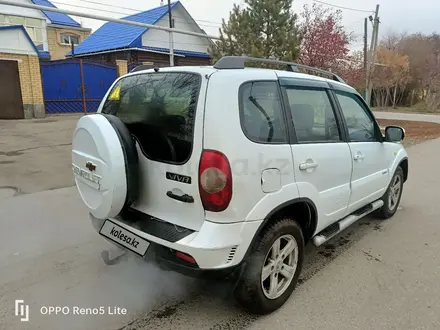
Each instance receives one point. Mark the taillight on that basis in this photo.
(215, 181)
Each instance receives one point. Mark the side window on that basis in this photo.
(261, 112)
(313, 116)
(68, 39)
(360, 126)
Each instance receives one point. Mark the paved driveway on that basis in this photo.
(376, 275)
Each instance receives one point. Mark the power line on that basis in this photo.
(83, 7)
(106, 5)
(138, 10)
(104, 18)
(183, 20)
(127, 14)
(351, 24)
(342, 7)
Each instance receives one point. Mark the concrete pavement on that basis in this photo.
(375, 275)
(35, 155)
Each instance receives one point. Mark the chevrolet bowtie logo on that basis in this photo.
(91, 167)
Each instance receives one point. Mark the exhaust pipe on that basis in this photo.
(113, 257)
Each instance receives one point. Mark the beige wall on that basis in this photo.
(30, 77)
(56, 49)
(122, 67)
(30, 81)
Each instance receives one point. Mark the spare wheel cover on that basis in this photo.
(100, 164)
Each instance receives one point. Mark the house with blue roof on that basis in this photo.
(52, 33)
(137, 45)
(28, 37)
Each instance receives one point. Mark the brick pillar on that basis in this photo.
(26, 91)
(36, 87)
(122, 67)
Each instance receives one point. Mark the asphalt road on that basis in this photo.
(376, 275)
(407, 116)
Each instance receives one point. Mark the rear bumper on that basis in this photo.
(216, 248)
(168, 261)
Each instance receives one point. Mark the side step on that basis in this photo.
(339, 226)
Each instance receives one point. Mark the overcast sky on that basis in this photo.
(420, 16)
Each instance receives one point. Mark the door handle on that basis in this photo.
(307, 166)
(358, 156)
(184, 198)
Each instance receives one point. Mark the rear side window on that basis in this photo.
(159, 110)
(313, 116)
(261, 112)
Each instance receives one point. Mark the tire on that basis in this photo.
(391, 205)
(251, 292)
(131, 158)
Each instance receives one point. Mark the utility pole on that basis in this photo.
(366, 53)
(171, 34)
(372, 55)
(72, 46)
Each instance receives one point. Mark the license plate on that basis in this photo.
(124, 237)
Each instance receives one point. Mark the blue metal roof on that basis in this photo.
(40, 54)
(178, 52)
(45, 55)
(56, 18)
(112, 35)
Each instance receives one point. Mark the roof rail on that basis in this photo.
(238, 62)
(142, 67)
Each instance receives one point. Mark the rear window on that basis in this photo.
(159, 110)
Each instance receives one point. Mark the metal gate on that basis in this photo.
(75, 85)
(10, 91)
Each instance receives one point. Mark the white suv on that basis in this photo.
(230, 171)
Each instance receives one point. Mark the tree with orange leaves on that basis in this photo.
(390, 76)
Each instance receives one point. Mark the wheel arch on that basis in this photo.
(404, 165)
(302, 206)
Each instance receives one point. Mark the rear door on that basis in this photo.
(322, 159)
(369, 155)
(164, 113)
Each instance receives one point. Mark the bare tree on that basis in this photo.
(391, 40)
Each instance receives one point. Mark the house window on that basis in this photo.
(33, 26)
(68, 39)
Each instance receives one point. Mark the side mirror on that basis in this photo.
(394, 134)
